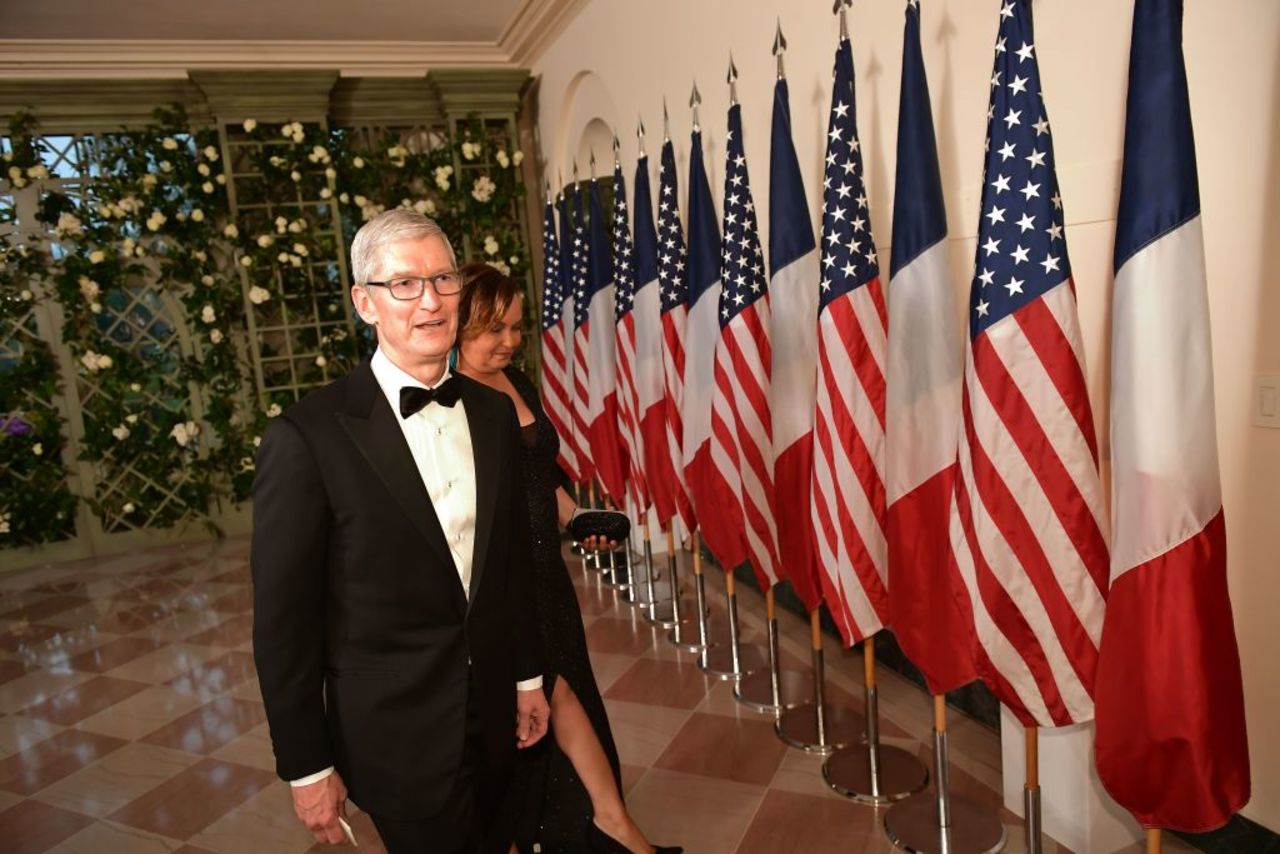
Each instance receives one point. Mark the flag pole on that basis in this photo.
(682, 634)
(937, 822)
(1031, 792)
(817, 726)
(732, 661)
(875, 774)
(1155, 840)
(666, 614)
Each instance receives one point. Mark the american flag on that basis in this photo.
(1172, 744)
(651, 400)
(713, 480)
(923, 371)
(743, 358)
(848, 425)
(625, 342)
(1029, 529)
(674, 294)
(602, 397)
(578, 289)
(555, 365)
(793, 295)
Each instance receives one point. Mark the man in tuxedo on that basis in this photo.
(395, 630)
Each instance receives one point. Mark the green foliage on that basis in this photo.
(159, 290)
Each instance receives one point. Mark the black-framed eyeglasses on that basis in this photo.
(412, 287)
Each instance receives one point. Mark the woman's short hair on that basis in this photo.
(487, 294)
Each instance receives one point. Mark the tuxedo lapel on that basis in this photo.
(370, 422)
(486, 448)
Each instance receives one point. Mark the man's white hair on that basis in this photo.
(393, 226)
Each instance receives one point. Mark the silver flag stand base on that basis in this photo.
(798, 727)
(755, 690)
(898, 774)
(663, 612)
(912, 825)
(719, 660)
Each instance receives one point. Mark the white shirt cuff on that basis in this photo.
(530, 684)
(312, 778)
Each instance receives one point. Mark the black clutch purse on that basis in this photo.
(609, 524)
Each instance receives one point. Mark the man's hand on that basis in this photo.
(532, 716)
(319, 804)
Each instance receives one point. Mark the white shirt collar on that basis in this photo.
(391, 377)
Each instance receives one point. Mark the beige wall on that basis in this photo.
(618, 59)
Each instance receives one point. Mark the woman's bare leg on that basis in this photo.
(577, 739)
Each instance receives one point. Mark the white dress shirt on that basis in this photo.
(439, 439)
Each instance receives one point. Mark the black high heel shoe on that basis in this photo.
(599, 842)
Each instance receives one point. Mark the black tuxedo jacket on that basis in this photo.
(362, 633)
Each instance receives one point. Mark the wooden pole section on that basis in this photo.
(940, 712)
(770, 611)
(1155, 840)
(697, 553)
(1033, 757)
(869, 662)
(728, 582)
(671, 540)
(815, 631)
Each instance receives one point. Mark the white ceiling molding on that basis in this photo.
(533, 27)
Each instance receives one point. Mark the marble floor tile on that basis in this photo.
(36, 687)
(190, 801)
(84, 700)
(47, 606)
(107, 837)
(113, 653)
(702, 814)
(168, 661)
(143, 713)
(209, 727)
(180, 626)
(230, 633)
(116, 779)
(265, 821)
(642, 732)
(17, 733)
(115, 615)
(216, 675)
(61, 755)
(252, 749)
(789, 823)
(607, 667)
(19, 635)
(31, 827)
(744, 751)
(684, 686)
(621, 636)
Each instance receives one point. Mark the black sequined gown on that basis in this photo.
(552, 803)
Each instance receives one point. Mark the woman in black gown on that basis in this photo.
(571, 788)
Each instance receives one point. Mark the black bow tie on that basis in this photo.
(413, 398)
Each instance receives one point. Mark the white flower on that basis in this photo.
(221, 179)
(166, 166)
(482, 190)
(257, 440)
(4, 517)
(300, 249)
(321, 361)
(184, 432)
(326, 193)
(320, 154)
(95, 307)
(470, 150)
(197, 215)
(246, 261)
(344, 198)
(97, 256)
(156, 220)
(490, 245)
(281, 224)
(210, 152)
(15, 173)
(272, 411)
(258, 295)
(128, 507)
(360, 201)
(170, 144)
(358, 162)
(203, 169)
(295, 261)
(104, 362)
(297, 225)
(38, 449)
(121, 433)
(200, 255)
(206, 280)
(135, 387)
(420, 206)
(501, 267)
(246, 463)
(517, 158)
(132, 419)
(298, 137)
(429, 207)
(265, 240)
(231, 231)
(149, 181)
(283, 257)
(89, 289)
(126, 246)
(69, 224)
(503, 160)
(207, 314)
(91, 360)
(514, 259)
(206, 187)
(215, 336)
(38, 172)
(295, 175)
(441, 175)
(19, 182)
(276, 161)
(250, 125)
(26, 295)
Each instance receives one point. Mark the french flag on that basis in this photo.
(602, 394)
(1171, 743)
(925, 368)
